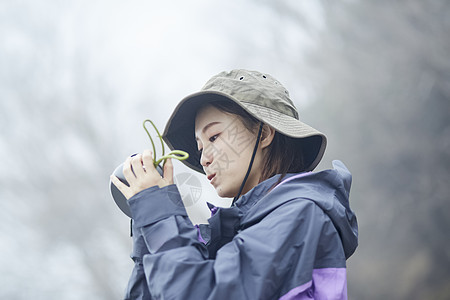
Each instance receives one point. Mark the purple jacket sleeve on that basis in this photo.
(254, 265)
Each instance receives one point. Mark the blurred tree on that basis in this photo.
(382, 77)
(57, 146)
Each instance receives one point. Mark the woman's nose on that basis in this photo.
(206, 158)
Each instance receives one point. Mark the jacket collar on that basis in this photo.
(254, 195)
(225, 223)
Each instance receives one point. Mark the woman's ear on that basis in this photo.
(267, 135)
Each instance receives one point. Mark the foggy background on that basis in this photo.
(77, 78)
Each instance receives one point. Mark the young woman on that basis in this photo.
(288, 232)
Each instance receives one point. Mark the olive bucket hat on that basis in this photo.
(262, 96)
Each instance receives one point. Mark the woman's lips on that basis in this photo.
(210, 177)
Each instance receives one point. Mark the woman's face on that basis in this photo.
(226, 147)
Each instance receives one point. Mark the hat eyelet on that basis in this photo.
(242, 77)
(264, 76)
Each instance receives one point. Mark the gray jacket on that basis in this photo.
(287, 242)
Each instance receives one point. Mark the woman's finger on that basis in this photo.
(126, 170)
(136, 164)
(168, 171)
(147, 160)
(122, 187)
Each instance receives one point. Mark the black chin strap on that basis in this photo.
(250, 165)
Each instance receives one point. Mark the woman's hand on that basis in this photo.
(141, 174)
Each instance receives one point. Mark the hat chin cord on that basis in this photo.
(250, 165)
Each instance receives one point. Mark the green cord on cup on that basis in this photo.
(176, 154)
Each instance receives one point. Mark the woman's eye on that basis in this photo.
(213, 138)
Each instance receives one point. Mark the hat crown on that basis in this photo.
(255, 88)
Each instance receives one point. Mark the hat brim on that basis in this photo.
(179, 132)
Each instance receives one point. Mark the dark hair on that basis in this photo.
(284, 154)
